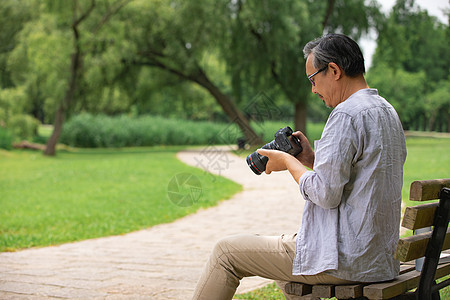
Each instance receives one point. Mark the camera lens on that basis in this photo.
(258, 162)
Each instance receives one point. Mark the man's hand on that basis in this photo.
(306, 157)
(280, 161)
(277, 160)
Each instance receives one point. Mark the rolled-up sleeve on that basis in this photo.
(334, 155)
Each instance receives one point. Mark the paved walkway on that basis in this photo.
(164, 261)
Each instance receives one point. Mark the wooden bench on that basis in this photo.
(428, 245)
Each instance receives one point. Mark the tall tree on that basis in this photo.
(412, 52)
(176, 37)
(14, 17)
(267, 37)
(80, 12)
(414, 41)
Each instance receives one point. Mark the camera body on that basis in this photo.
(284, 141)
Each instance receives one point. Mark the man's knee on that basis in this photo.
(227, 246)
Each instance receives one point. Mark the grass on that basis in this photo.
(93, 193)
(428, 158)
(270, 291)
(84, 194)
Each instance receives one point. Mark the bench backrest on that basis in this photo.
(429, 244)
(421, 216)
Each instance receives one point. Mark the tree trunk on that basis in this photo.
(300, 116)
(60, 114)
(75, 65)
(431, 121)
(229, 107)
(227, 104)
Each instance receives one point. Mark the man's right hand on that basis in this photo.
(306, 157)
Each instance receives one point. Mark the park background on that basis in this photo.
(107, 92)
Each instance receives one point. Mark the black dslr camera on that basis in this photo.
(284, 141)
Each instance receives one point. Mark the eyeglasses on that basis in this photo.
(315, 73)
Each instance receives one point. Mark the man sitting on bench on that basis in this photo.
(351, 218)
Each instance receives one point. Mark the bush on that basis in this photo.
(86, 130)
(89, 131)
(23, 126)
(5, 139)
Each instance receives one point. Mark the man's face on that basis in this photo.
(324, 85)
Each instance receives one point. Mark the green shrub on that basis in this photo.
(5, 139)
(23, 126)
(86, 130)
(89, 131)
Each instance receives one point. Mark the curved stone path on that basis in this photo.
(164, 261)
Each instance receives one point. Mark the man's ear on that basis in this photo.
(336, 72)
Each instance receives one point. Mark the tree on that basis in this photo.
(404, 90)
(266, 39)
(81, 11)
(261, 42)
(437, 107)
(176, 37)
(414, 41)
(13, 100)
(14, 16)
(411, 50)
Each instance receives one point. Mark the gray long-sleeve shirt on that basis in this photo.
(350, 224)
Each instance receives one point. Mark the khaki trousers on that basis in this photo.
(241, 256)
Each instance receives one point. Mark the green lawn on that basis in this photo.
(428, 158)
(92, 193)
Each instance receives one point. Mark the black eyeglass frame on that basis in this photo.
(315, 73)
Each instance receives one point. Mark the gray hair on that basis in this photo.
(337, 48)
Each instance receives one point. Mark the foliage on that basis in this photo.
(160, 93)
(414, 41)
(273, 33)
(92, 131)
(410, 66)
(157, 57)
(14, 16)
(39, 65)
(88, 194)
(12, 103)
(23, 126)
(6, 139)
(402, 89)
(87, 130)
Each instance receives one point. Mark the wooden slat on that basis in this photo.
(419, 216)
(349, 291)
(298, 289)
(414, 247)
(400, 285)
(323, 291)
(356, 290)
(424, 190)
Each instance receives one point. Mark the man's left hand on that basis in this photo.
(280, 161)
(277, 160)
